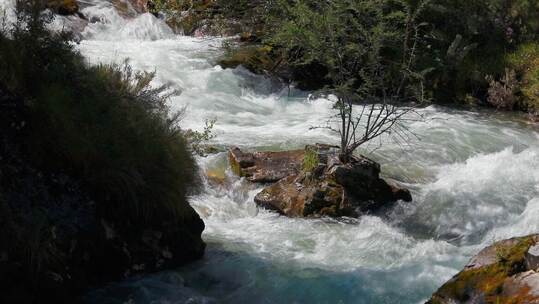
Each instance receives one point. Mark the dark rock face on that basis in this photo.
(505, 272)
(314, 182)
(361, 179)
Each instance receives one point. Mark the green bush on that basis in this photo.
(103, 125)
(526, 61)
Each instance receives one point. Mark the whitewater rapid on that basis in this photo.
(474, 177)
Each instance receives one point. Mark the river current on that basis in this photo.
(474, 176)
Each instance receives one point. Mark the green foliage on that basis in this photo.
(526, 61)
(216, 16)
(102, 124)
(198, 139)
(445, 48)
(469, 39)
(312, 34)
(310, 161)
(355, 46)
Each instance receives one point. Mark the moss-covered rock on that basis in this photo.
(501, 273)
(257, 59)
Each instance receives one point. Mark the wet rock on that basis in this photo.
(215, 177)
(265, 167)
(361, 178)
(322, 185)
(63, 7)
(522, 288)
(299, 196)
(502, 273)
(532, 257)
(140, 6)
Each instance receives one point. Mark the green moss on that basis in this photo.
(526, 62)
(310, 161)
(489, 279)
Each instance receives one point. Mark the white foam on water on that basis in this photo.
(485, 191)
(7, 13)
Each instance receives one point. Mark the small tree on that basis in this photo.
(370, 111)
(369, 49)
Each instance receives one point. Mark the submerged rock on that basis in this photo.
(314, 182)
(505, 272)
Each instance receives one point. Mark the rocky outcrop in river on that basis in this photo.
(314, 182)
(506, 272)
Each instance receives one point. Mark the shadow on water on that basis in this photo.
(229, 277)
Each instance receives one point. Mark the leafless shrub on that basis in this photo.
(502, 93)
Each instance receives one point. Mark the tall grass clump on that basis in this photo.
(104, 125)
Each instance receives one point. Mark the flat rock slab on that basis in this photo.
(265, 167)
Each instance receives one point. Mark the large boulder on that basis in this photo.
(313, 182)
(505, 272)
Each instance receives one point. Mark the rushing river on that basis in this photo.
(474, 177)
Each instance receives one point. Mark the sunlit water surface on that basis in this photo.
(474, 177)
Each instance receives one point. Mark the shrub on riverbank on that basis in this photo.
(102, 124)
(456, 44)
(94, 171)
(526, 61)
